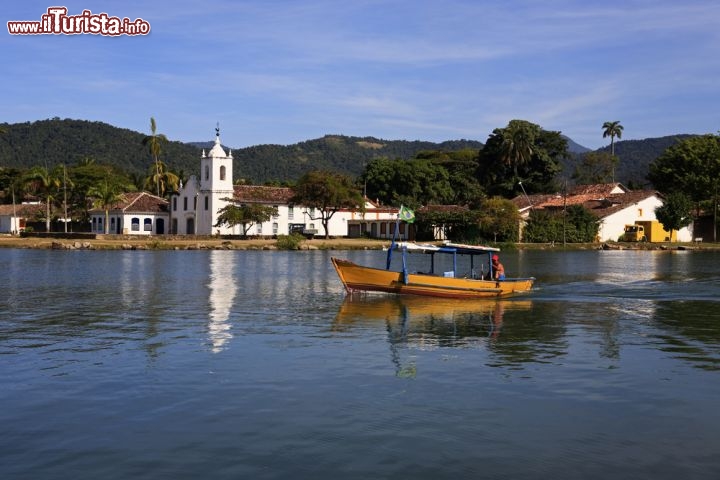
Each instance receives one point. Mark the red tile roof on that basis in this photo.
(22, 209)
(262, 194)
(138, 202)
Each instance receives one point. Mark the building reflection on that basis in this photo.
(223, 288)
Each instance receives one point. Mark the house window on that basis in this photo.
(259, 228)
(291, 212)
(174, 204)
(184, 203)
(277, 212)
(207, 172)
(275, 228)
(383, 228)
(195, 203)
(311, 212)
(222, 172)
(207, 202)
(147, 225)
(94, 224)
(135, 224)
(100, 224)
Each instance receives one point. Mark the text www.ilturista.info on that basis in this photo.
(57, 22)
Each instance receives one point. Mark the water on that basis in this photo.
(241, 364)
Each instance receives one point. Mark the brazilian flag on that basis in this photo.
(406, 215)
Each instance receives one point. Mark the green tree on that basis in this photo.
(461, 166)
(165, 180)
(105, 194)
(575, 224)
(87, 174)
(595, 167)
(245, 215)
(675, 212)
(407, 182)
(518, 142)
(46, 184)
(155, 142)
(499, 220)
(506, 159)
(692, 167)
(458, 223)
(326, 192)
(612, 130)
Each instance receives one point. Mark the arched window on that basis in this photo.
(147, 225)
(135, 224)
(207, 172)
(222, 172)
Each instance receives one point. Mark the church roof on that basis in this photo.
(138, 202)
(262, 194)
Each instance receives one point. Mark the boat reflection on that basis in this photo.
(427, 323)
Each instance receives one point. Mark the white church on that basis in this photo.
(194, 209)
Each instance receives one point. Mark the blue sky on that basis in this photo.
(281, 72)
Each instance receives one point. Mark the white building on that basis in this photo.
(137, 213)
(13, 218)
(195, 208)
(613, 204)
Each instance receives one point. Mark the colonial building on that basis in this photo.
(137, 213)
(613, 204)
(14, 218)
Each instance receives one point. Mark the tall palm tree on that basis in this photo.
(518, 144)
(612, 130)
(105, 194)
(154, 142)
(46, 184)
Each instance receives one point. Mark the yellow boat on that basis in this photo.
(360, 278)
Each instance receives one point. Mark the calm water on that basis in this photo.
(230, 364)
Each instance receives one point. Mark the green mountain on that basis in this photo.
(57, 141)
(340, 153)
(635, 157)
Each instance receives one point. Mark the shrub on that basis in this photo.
(289, 242)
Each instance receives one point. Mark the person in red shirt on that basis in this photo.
(498, 269)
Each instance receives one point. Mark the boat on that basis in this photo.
(447, 284)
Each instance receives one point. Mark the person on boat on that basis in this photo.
(498, 269)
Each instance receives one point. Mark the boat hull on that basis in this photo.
(359, 278)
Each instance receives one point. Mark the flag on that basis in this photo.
(406, 215)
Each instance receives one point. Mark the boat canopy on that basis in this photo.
(453, 249)
(446, 247)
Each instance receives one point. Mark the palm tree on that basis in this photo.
(46, 184)
(164, 178)
(612, 130)
(518, 144)
(105, 195)
(154, 142)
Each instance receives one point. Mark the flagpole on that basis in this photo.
(392, 243)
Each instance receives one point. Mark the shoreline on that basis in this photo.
(115, 242)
